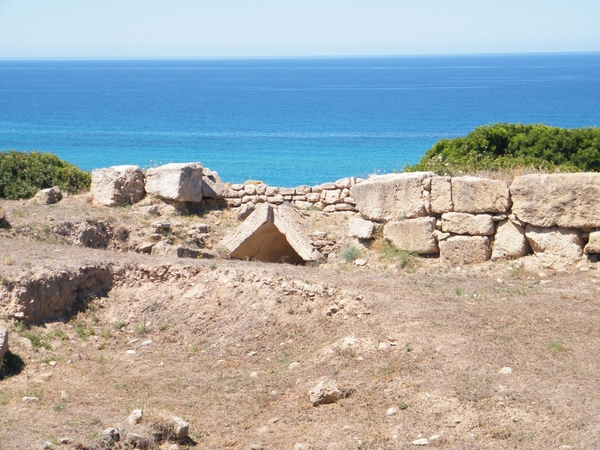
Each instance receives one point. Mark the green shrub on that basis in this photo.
(22, 174)
(350, 253)
(390, 253)
(504, 147)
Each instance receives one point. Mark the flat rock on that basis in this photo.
(413, 235)
(326, 392)
(118, 185)
(360, 228)
(176, 182)
(567, 200)
(465, 249)
(480, 195)
(555, 241)
(510, 241)
(465, 223)
(393, 196)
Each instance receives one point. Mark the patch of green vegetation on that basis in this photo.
(350, 253)
(119, 324)
(556, 346)
(504, 147)
(22, 174)
(82, 331)
(390, 253)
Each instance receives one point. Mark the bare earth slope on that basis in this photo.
(236, 346)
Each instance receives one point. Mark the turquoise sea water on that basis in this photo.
(284, 121)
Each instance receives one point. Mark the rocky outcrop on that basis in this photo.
(555, 241)
(480, 195)
(394, 196)
(510, 241)
(118, 185)
(413, 235)
(464, 223)
(564, 200)
(176, 182)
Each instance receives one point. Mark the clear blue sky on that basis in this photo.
(247, 28)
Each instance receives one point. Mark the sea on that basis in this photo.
(283, 121)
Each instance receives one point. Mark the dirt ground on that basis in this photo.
(233, 347)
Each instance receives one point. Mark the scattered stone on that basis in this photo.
(413, 235)
(465, 223)
(65, 441)
(118, 185)
(480, 195)
(3, 342)
(146, 343)
(435, 437)
(555, 241)
(422, 441)
(360, 228)
(566, 200)
(360, 262)
(256, 447)
(48, 196)
(180, 428)
(130, 352)
(177, 182)
(332, 310)
(301, 446)
(383, 346)
(253, 374)
(510, 241)
(294, 365)
(30, 399)
(393, 196)
(505, 371)
(326, 392)
(138, 441)
(145, 247)
(392, 411)
(135, 417)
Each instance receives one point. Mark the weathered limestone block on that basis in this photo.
(118, 185)
(212, 186)
(344, 207)
(313, 197)
(181, 182)
(464, 223)
(441, 195)
(465, 249)
(480, 195)
(343, 183)
(360, 228)
(565, 199)
(303, 190)
(324, 187)
(326, 392)
(48, 196)
(271, 190)
(237, 187)
(393, 196)
(593, 245)
(555, 241)
(276, 199)
(250, 189)
(331, 197)
(287, 191)
(413, 235)
(261, 189)
(272, 234)
(329, 208)
(510, 241)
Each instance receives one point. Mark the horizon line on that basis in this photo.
(407, 55)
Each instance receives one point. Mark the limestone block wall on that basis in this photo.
(329, 197)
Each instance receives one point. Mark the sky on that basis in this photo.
(286, 28)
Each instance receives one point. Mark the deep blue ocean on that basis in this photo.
(283, 121)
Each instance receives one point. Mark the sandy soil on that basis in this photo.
(236, 346)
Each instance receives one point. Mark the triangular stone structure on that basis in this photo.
(272, 234)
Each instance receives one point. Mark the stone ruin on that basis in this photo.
(463, 219)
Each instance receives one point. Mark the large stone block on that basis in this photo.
(510, 241)
(413, 235)
(480, 195)
(118, 185)
(555, 241)
(360, 228)
(393, 196)
(48, 196)
(441, 195)
(212, 186)
(464, 223)
(177, 182)
(565, 199)
(465, 249)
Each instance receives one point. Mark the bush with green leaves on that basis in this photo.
(22, 174)
(504, 147)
